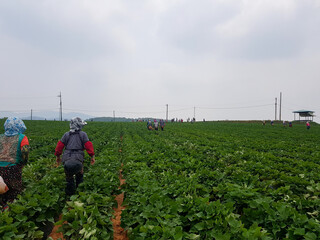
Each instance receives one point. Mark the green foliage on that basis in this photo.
(43, 198)
(221, 181)
(192, 181)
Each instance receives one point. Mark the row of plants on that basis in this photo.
(35, 211)
(222, 181)
(88, 214)
(191, 181)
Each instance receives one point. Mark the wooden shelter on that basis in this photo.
(306, 115)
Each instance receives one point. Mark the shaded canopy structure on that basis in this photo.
(307, 115)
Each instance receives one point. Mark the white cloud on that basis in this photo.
(108, 54)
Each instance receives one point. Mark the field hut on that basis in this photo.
(304, 115)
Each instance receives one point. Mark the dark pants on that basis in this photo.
(74, 175)
(12, 176)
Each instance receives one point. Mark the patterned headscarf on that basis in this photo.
(13, 126)
(76, 124)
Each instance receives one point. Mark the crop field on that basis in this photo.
(207, 180)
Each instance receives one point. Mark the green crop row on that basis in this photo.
(192, 181)
(88, 213)
(33, 214)
(222, 181)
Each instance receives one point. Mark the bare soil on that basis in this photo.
(54, 234)
(119, 233)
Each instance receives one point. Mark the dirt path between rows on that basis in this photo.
(54, 234)
(119, 233)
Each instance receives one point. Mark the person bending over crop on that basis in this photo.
(75, 142)
(14, 152)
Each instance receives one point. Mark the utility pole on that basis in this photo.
(167, 113)
(280, 106)
(114, 116)
(60, 107)
(275, 110)
(31, 114)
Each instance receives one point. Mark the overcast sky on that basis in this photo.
(229, 59)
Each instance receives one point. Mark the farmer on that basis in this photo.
(149, 125)
(162, 124)
(290, 124)
(156, 125)
(14, 152)
(308, 125)
(75, 142)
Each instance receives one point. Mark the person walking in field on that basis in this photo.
(75, 142)
(162, 124)
(149, 125)
(156, 125)
(14, 153)
(308, 125)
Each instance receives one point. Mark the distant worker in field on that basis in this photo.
(284, 123)
(149, 125)
(14, 153)
(162, 124)
(308, 125)
(263, 122)
(290, 124)
(271, 123)
(156, 125)
(75, 142)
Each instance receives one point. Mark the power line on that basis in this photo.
(144, 112)
(137, 112)
(291, 109)
(141, 112)
(86, 110)
(182, 109)
(25, 97)
(223, 108)
(27, 111)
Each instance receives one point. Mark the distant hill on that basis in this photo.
(109, 119)
(118, 119)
